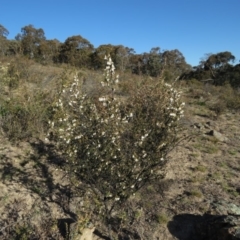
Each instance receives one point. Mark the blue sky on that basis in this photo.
(194, 27)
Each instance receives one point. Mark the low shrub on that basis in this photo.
(114, 146)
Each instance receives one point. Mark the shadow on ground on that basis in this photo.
(34, 172)
(206, 227)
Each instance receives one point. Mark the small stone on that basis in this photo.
(220, 137)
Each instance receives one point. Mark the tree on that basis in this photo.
(76, 51)
(99, 53)
(3, 31)
(216, 67)
(152, 62)
(120, 54)
(122, 57)
(174, 64)
(136, 63)
(216, 61)
(30, 39)
(48, 50)
(13, 47)
(3, 40)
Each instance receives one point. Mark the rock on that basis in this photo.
(87, 234)
(225, 223)
(220, 137)
(224, 208)
(199, 126)
(221, 222)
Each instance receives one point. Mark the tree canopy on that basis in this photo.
(216, 67)
(80, 52)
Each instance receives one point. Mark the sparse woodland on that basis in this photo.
(104, 143)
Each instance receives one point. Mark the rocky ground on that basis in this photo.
(198, 199)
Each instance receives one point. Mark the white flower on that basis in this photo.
(143, 137)
(109, 62)
(76, 95)
(162, 145)
(172, 114)
(102, 99)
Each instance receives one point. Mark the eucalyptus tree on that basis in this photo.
(31, 38)
(98, 61)
(3, 39)
(76, 51)
(48, 50)
(3, 31)
(174, 64)
(122, 57)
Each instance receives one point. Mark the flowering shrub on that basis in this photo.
(114, 146)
